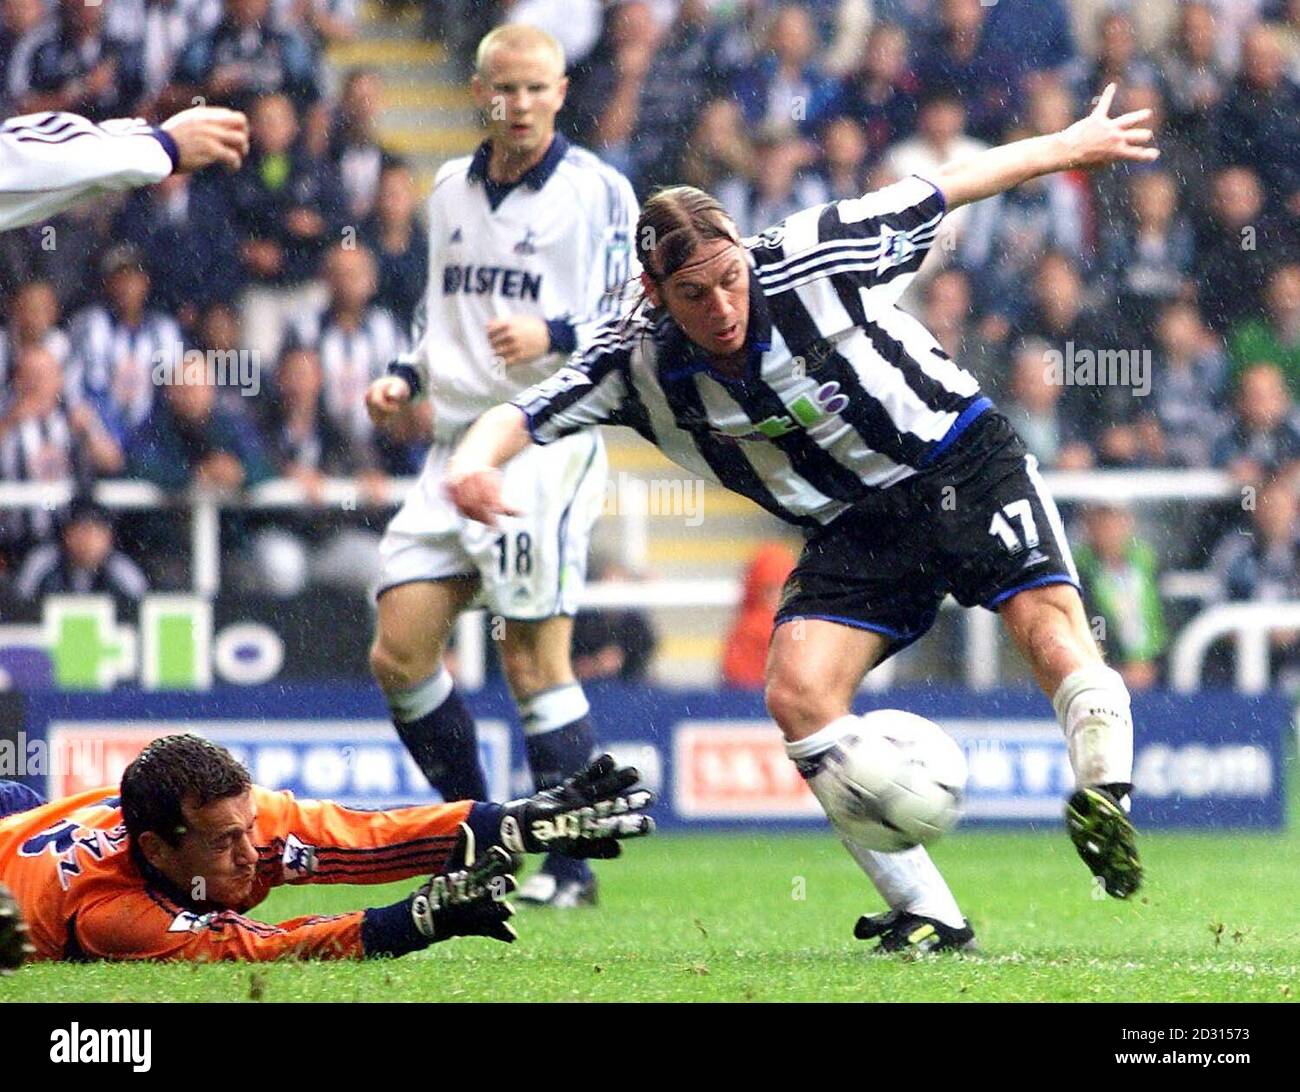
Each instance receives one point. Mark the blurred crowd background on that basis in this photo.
(310, 261)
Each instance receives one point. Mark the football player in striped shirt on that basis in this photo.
(782, 367)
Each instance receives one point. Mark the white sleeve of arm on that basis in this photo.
(613, 272)
(52, 160)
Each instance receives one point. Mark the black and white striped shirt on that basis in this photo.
(113, 365)
(36, 449)
(350, 359)
(845, 393)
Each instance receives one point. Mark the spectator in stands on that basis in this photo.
(219, 336)
(183, 228)
(841, 27)
(940, 137)
(117, 344)
(80, 68)
(41, 440)
(1118, 574)
(1264, 437)
(320, 23)
(1034, 410)
(288, 209)
(963, 55)
(1102, 413)
(882, 94)
(613, 643)
(780, 185)
(354, 341)
(1188, 387)
(22, 28)
(354, 146)
(165, 28)
(744, 655)
(947, 314)
(1276, 335)
(719, 150)
(399, 243)
(843, 167)
(33, 320)
(307, 445)
(1194, 78)
(1259, 125)
(1007, 234)
(575, 24)
(190, 440)
(1118, 60)
(1036, 33)
(82, 560)
(661, 81)
(244, 56)
(1233, 248)
(784, 89)
(1147, 257)
(1263, 566)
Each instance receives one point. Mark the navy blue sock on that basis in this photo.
(553, 756)
(444, 745)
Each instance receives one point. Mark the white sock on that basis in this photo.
(908, 881)
(421, 699)
(1093, 707)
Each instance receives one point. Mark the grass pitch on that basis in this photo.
(770, 918)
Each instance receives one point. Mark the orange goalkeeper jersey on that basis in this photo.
(83, 896)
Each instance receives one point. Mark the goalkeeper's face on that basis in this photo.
(520, 91)
(214, 859)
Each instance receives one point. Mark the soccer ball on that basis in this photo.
(894, 782)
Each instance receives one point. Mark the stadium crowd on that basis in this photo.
(1146, 317)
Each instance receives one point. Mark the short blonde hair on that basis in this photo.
(516, 36)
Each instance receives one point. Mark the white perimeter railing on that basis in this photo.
(1251, 623)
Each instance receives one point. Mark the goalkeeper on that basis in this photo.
(166, 866)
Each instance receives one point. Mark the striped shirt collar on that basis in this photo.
(678, 357)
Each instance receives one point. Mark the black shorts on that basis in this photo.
(979, 524)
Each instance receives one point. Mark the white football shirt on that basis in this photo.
(557, 244)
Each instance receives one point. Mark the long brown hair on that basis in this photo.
(673, 222)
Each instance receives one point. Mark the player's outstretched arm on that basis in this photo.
(473, 477)
(1093, 141)
(53, 160)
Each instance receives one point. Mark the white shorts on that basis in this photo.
(530, 567)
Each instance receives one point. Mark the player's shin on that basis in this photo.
(559, 740)
(908, 881)
(438, 731)
(1092, 705)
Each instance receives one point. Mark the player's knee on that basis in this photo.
(798, 702)
(1050, 623)
(397, 668)
(529, 669)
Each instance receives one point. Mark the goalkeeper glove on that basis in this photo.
(585, 816)
(14, 946)
(470, 900)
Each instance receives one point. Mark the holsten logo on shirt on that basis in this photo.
(486, 280)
